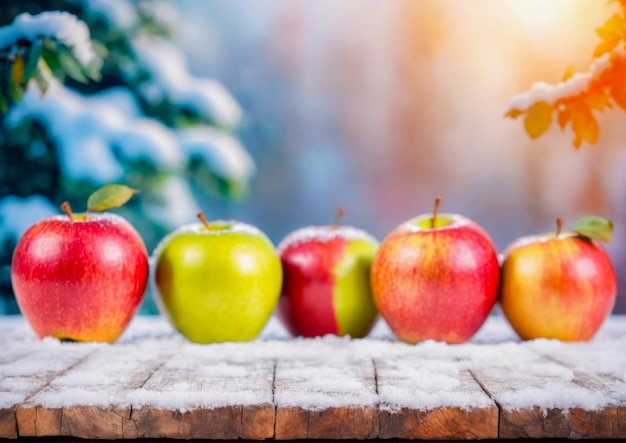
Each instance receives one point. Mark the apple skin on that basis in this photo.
(562, 287)
(80, 280)
(436, 283)
(219, 284)
(326, 281)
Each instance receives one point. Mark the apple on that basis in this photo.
(326, 281)
(435, 277)
(560, 285)
(217, 281)
(81, 277)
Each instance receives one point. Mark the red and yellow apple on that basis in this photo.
(80, 277)
(217, 281)
(326, 281)
(435, 277)
(560, 285)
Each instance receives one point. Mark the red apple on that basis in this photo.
(435, 277)
(80, 277)
(560, 286)
(326, 286)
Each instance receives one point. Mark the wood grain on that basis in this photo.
(340, 423)
(8, 423)
(199, 395)
(97, 388)
(22, 378)
(317, 399)
(152, 387)
(532, 407)
(433, 399)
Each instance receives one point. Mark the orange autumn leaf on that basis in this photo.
(538, 119)
(514, 113)
(564, 117)
(568, 73)
(578, 97)
(607, 45)
(584, 125)
(612, 32)
(618, 94)
(596, 97)
(615, 26)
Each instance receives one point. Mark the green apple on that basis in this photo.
(217, 281)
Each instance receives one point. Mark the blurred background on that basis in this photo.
(378, 107)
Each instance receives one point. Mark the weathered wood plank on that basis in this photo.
(544, 399)
(322, 399)
(90, 400)
(216, 423)
(199, 395)
(22, 376)
(433, 399)
(8, 423)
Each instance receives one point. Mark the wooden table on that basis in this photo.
(154, 384)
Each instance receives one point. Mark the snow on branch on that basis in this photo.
(223, 153)
(120, 13)
(17, 214)
(577, 96)
(170, 79)
(574, 85)
(127, 15)
(96, 134)
(574, 99)
(87, 131)
(61, 26)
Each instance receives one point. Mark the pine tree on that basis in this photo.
(93, 92)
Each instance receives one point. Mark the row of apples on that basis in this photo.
(81, 277)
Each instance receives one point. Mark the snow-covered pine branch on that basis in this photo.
(41, 46)
(61, 26)
(170, 80)
(87, 129)
(97, 134)
(17, 214)
(127, 15)
(224, 154)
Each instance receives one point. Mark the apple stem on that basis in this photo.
(436, 211)
(65, 207)
(559, 226)
(341, 213)
(203, 219)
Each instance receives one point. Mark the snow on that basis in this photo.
(578, 83)
(176, 204)
(62, 26)
(123, 14)
(223, 153)
(324, 234)
(91, 130)
(17, 214)
(120, 13)
(170, 79)
(165, 11)
(152, 365)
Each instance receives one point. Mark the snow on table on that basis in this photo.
(153, 383)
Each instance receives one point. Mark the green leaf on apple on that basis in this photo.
(593, 226)
(110, 196)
